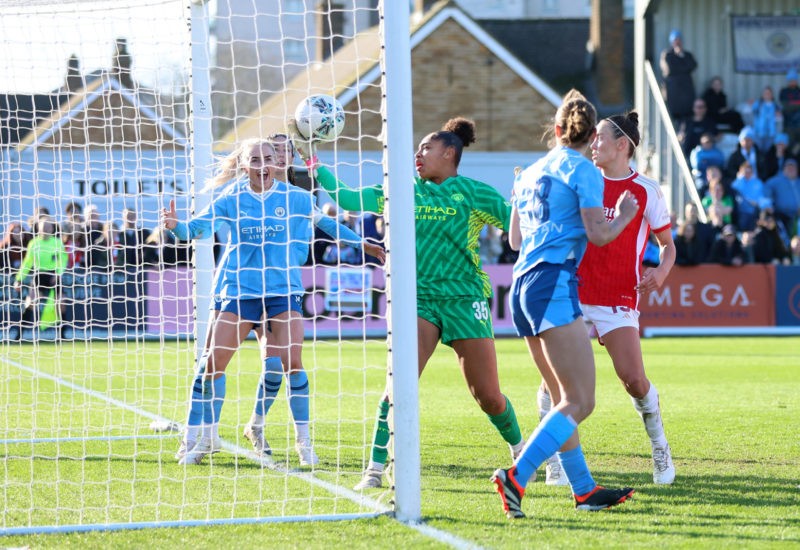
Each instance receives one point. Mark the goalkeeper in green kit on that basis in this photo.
(452, 289)
(47, 259)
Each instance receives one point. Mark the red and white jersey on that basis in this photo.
(608, 274)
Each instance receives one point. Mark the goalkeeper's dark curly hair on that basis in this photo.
(458, 132)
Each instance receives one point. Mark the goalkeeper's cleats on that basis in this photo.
(554, 473)
(306, 453)
(510, 491)
(372, 479)
(255, 434)
(201, 449)
(601, 498)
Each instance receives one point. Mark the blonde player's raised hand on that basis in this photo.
(169, 218)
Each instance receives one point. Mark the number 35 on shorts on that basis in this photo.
(481, 310)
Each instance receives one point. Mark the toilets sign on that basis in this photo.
(110, 180)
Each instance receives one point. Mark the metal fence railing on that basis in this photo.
(661, 157)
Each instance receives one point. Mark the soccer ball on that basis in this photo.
(320, 117)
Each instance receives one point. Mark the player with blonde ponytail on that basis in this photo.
(257, 280)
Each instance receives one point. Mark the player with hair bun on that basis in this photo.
(611, 280)
(557, 208)
(452, 288)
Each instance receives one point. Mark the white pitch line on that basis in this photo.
(234, 449)
(82, 439)
(357, 498)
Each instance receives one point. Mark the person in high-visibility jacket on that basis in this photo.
(45, 260)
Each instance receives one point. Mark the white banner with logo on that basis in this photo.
(765, 44)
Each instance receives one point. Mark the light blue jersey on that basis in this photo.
(268, 240)
(548, 196)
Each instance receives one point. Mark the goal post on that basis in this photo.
(402, 264)
(99, 384)
(202, 139)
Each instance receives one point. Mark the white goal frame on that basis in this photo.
(396, 111)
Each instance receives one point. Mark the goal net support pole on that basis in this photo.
(401, 278)
(202, 160)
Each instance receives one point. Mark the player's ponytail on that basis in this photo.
(577, 119)
(231, 165)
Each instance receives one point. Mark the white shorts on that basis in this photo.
(607, 318)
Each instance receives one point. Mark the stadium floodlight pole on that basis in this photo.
(201, 159)
(402, 268)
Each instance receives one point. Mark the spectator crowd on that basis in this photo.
(748, 185)
(751, 194)
(94, 245)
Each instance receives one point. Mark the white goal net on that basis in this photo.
(109, 111)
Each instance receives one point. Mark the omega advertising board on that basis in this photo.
(712, 296)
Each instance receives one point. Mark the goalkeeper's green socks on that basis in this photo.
(506, 423)
(380, 443)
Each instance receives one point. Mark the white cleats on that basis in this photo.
(516, 450)
(663, 468)
(372, 479)
(255, 434)
(196, 454)
(183, 449)
(554, 473)
(186, 447)
(306, 453)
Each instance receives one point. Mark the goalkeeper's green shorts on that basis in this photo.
(458, 318)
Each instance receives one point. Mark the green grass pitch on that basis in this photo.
(730, 408)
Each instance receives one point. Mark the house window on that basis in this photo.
(294, 6)
(294, 50)
(550, 7)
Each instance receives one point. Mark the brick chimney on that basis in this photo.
(121, 64)
(73, 81)
(607, 43)
(330, 28)
(422, 6)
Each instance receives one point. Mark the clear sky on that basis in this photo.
(38, 36)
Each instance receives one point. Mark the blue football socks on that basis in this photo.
(270, 385)
(574, 465)
(552, 432)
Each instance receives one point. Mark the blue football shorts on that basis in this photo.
(545, 297)
(254, 309)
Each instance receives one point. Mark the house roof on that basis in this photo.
(19, 113)
(554, 48)
(356, 66)
(103, 114)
